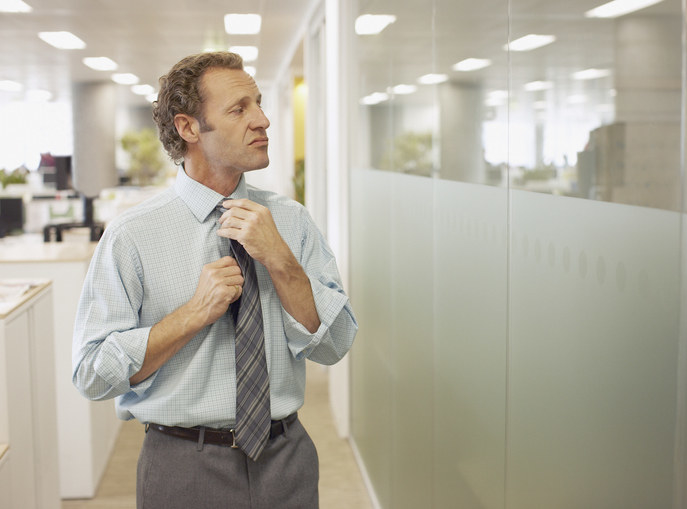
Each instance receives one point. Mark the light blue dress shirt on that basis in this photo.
(148, 264)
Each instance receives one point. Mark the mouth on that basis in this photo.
(259, 142)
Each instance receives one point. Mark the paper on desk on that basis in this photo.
(11, 292)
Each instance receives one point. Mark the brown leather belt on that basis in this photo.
(215, 436)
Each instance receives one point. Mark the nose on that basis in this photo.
(260, 120)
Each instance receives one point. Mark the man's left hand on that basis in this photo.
(252, 225)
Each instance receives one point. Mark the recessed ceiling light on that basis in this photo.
(530, 42)
(62, 40)
(404, 89)
(248, 53)
(472, 64)
(535, 86)
(14, 6)
(374, 98)
(242, 23)
(100, 63)
(250, 69)
(432, 79)
(142, 89)
(591, 74)
(619, 8)
(371, 24)
(10, 86)
(125, 78)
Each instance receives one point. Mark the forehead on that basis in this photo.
(228, 84)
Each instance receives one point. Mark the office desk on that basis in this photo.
(86, 430)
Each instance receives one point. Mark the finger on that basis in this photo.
(225, 261)
(239, 203)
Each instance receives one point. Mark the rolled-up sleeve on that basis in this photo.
(338, 326)
(108, 344)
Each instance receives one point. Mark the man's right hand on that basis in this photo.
(220, 284)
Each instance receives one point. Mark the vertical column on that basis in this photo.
(93, 161)
(648, 72)
(462, 154)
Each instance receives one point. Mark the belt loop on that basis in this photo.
(285, 426)
(201, 439)
(147, 427)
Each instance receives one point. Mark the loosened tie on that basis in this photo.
(253, 415)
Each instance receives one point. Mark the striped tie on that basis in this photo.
(253, 417)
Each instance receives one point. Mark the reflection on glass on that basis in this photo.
(579, 102)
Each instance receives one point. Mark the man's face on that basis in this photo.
(233, 135)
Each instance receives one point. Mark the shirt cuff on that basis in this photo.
(121, 357)
(329, 303)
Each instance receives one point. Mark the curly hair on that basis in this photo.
(181, 92)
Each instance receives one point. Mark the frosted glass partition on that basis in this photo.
(593, 333)
(518, 255)
(372, 400)
(470, 294)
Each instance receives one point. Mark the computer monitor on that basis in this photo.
(11, 215)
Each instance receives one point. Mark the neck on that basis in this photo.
(222, 182)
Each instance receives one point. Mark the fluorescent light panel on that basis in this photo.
(472, 64)
(530, 42)
(374, 98)
(372, 24)
(248, 53)
(619, 8)
(142, 89)
(62, 40)
(125, 78)
(14, 6)
(10, 86)
(404, 89)
(432, 79)
(246, 24)
(591, 74)
(100, 63)
(535, 86)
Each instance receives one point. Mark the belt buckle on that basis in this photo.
(233, 439)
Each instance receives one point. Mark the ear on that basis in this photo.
(187, 127)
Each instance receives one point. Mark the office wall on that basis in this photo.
(517, 253)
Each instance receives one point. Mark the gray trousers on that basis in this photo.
(174, 473)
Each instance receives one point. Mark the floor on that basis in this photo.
(341, 485)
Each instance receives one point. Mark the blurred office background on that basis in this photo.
(503, 184)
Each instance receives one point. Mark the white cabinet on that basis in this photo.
(27, 384)
(86, 430)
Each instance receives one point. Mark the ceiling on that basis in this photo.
(144, 37)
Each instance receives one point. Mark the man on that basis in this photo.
(161, 324)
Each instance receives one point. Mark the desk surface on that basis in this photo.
(35, 287)
(32, 249)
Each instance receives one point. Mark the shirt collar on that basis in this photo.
(202, 200)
